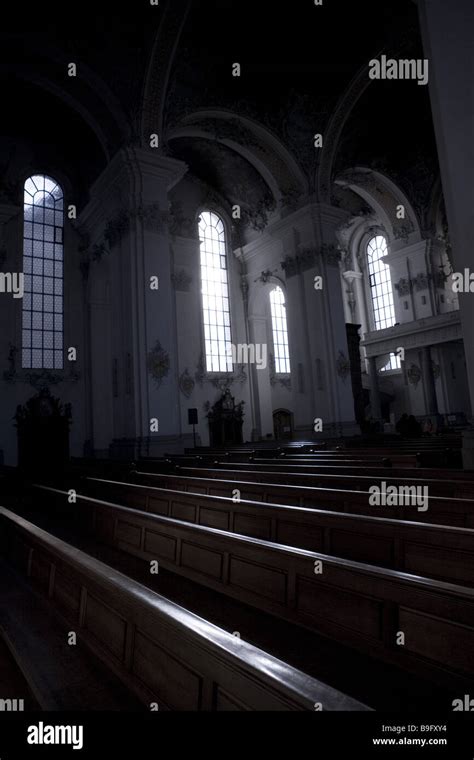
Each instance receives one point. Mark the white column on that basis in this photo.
(128, 211)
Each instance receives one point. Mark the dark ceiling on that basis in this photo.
(297, 60)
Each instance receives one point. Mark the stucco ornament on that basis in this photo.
(158, 363)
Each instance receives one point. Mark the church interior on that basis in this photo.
(237, 366)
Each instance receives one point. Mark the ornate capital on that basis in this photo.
(152, 218)
(181, 280)
(305, 259)
(421, 281)
(331, 254)
(403, 287)
(181, 225)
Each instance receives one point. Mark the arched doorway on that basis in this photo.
(282, 424)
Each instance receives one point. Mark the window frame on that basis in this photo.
(286, 372)
(29, 364)
(222, 218)
(370, 235)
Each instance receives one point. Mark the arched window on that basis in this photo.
(381, 290)
(215, 293)
(43, 215)
(280, 331)
(380, 283)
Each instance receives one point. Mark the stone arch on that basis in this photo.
(253, 142)
(333, 132)
(383, 196)
(159, 68)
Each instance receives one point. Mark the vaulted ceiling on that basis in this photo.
(171, 60)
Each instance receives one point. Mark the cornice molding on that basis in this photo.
(442, 328)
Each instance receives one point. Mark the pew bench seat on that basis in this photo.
(60, 676)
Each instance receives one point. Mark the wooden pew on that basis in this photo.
(434, 551)
(375, 471)
(345, 460)
(59, 676)
(448, 488)
(164, 654)
(442, 510)
(356, 604)
(465, 480)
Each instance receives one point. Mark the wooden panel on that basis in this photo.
(170, 680)
(361, 546)
(300, 535)
(106, 625)
(287, 500)
(449, 643)
(425, 560)
(133, 497)
(191, 487)
(247, 494)
(182, 511)
(202, 560)
(257, 527)
(160, 545)
(327, 603)
(261, 580)
(221, 491)
(128, 533)
(104, 524)
(227, 703)
(67, 592)
(160, 506)
(213, 518)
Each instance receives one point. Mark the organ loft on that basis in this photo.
(237, 381)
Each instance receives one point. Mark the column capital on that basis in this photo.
(134, 178)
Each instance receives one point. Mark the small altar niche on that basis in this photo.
(225, 421)
(43, 433)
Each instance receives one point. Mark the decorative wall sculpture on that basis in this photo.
(343, 366)
(414, 375)
(186, 383)
(403, 287)
(158, 363)
(38, 379)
